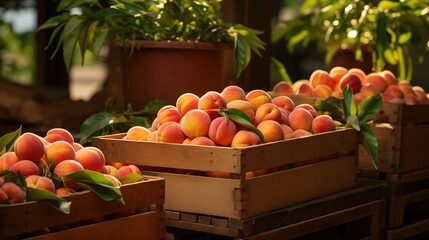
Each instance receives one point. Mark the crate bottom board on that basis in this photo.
(366, 191)
(418, 230)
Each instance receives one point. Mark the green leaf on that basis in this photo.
(35, 194)
(353, 121)
(97, 183)
(99, 40)
(53, 22)
(331, 106)
(8, 140)
(242, 119)
(242, 55)
(95, 123)
(349, 107)
(70, 39)
(279, 71)
(405, 37)
(132, 178)
(370, 143)
(369, 107)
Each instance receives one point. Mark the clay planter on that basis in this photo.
(164, 70)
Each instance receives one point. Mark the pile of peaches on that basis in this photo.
(196, 120)
(323, 84)
(39, 158)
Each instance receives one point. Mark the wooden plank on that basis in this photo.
(202, 228)
(409, 177)
(188, 217)
(172, 215)
(409, 231)
(414, 148)
(398, 204)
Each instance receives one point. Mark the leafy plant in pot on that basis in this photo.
(384, 30)
(140, 28)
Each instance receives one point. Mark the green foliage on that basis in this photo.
(345, 111)
(389, 28)
(239, 117)
(8, 140)
(154, 20)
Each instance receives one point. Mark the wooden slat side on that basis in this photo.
(408, 177)
(407, 232)
(414, 147)
(281, 189)
(415, 114)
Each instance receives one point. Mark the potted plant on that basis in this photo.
(140, 28)
(385, 30)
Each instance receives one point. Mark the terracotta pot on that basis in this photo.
(165, 70)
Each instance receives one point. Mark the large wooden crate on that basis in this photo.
(90, 217)
(241, 198)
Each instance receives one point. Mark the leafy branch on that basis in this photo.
(240, 118)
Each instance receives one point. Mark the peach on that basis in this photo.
(128, 169)
(257, 97)
(336, 73)
(386, 96)
(217, 174)
(268, 111)
(221, 131)
(114, 180)
(300, 118)
(233, 92)
(58, 151)
(170, 132)
(406, 88)
(40, 182)
(187, 140)
(358, 96)
(67, 166)
(322, 91)
(396, 100)
(245, 138)
(319, 77)
(411, 100)
(288, 132)
(284, 102)
(304, 89)
(337, 93)
(138, 133)
(301, 133)
(7, 160)
(111, 170)
(26, 167)
(271, 130)
(369, 89)
(322, 123)
(298, 83)
(77, 146)
(14, 193)
(56, 134)
(153, 136)
(421, 94)
(4, 198)
(155, 124)
(186, 102)
(168, 113)
(309, 108)
(91, 158)
(195, 123)
(117, 165)
(358, 72)
(29, 146)
(64, 191)
(352, 80)
(394, 91)
(283, 88)
(285, 117)
(210, 102)
(389, 77)
(244, 106)
(378, 80)
(202, 140)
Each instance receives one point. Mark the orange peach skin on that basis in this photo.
(56, 134)
(222, 132)
(187, 102)
(91, 158)
(322, 123)
(245, 138)
(29, 146)
(14, 192)
(128, 169)
(138, 133)
(271, 130)
(195, 123)
(244, 106)
(7, 160)
(268, 111)
(168, 113)
(257, 97)
(170, 132)
(300, 118)
(210, 102)
(233, 92)
(59, 151)
(283, 88)
(40, 182)
(284, 102)
(26, 167)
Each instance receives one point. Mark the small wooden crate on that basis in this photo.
(358, 213)
(241, 198)
(142, 216)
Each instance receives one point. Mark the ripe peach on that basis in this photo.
(64, 191)
(114, 180)
(7, 160)
(421, 94)
(128, 169)
(285, 117)
(186, 102)
(288, 132)
(155, 125)
(168, 113)
(284, 102)
(3, 196)
(406, 88)
(298, 83)
(268, 111)
(396, 100)
(271, 130)
(195, 123)
(117, 165)
(411, 100)
(202, 140)
(233, 92)
(304, 89)
(77, 146)
(67, 166)
(394, 91)
(337, 93)
(257, 97)
(319, 77)
(336, 73)
(300, 118)
(170, 132)
(378, 80)
(386, 96)
(210, 102)
(138, 133)
(301, 133)
(187, 140)
(91, 158)
(217, 174)
(56, 134)
(26, 167)
(358, 96)
(309, 108)
(283, 88)
(59, 151)
(389, 77)
(322, 91)
(352, 80)
(369, 89)
(29, 146)
(153, 136)
(40, 182)
(244, 106)
(359, 73)
(14, 193)
(111, 170)
(244, 138)
(322, 123)
(221, 131)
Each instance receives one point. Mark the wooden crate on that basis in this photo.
(91, 217)
(241, 198)
(358, 212)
